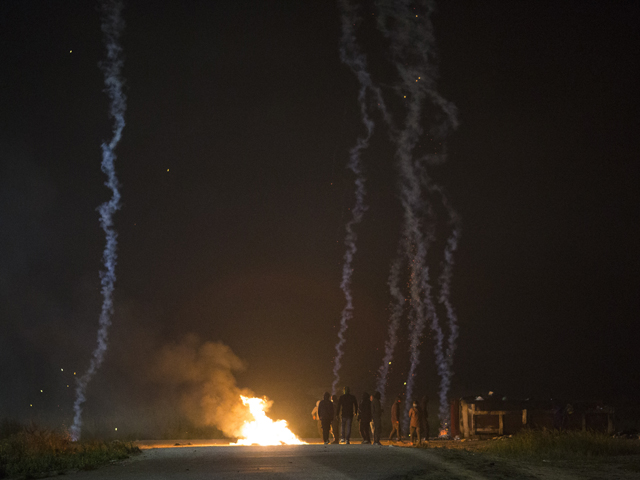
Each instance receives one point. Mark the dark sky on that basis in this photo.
(235, 196)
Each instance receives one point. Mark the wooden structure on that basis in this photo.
(478, 416)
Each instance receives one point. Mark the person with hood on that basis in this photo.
(365, 418)
(325, 413)
(376, 417)
(396, 413)
(335, 425)
(414, 417)
(347, 408)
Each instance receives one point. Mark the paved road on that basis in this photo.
(334, 462)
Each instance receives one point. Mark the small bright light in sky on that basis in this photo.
(70, 51)
(167, 169)
(62, 369)
(31, 405)
(116, 429)
(40, 391)
(405, 383)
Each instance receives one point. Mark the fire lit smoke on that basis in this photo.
(356, 61)
(112, 25)
(201, 374)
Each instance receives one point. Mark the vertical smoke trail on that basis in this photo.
(397, 307)
(356, 61)
(447, 273)
(112, 25)
(410, 33)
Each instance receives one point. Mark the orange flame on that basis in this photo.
(262, 430)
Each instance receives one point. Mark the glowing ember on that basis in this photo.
(444, 433)
(263, 430)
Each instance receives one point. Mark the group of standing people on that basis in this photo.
(335, 417)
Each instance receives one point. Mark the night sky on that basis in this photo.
(235, 197)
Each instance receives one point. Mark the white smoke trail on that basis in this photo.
(410, 33)
(397, 308)
(356, 61)
(447, 273)
(112, 25)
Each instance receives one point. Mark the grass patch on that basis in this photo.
(562, 445)
(35, 452)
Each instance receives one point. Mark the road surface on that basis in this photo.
(334, 462)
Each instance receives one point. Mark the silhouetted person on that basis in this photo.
(335, 425)
(347, 408)
(316, 417)
(396, 413)
(365, 418)
(414, 426)
(424, 415)
(325, 412)
(376, 417)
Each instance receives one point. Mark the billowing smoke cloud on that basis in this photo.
(202, 376)
(112, 25)
(397, 308)
(356, 61)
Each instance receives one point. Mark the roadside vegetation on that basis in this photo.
(33, 452)
(562, 445)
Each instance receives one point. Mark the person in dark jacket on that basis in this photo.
(396, 413)
(347, 408)
(365, 418)
(376, 417)
(325, 412)
(335, 425)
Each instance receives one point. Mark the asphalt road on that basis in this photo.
(335, 462)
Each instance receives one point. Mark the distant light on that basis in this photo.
(167, 169)
(116, 429)
(74, 373)
(30, 405)
(67, 386)
(389, 363)
(40, 391)
(405, 383)
(70, 51)
(62, 369)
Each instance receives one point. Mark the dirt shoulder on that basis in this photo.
(470, 457)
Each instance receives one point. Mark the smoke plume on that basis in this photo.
(201, 374)
(112, 26)
(356, 61)
(408, 28)
(397, 308)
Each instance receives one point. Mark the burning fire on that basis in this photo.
(263, 430)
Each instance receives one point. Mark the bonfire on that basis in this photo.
(262, 430)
